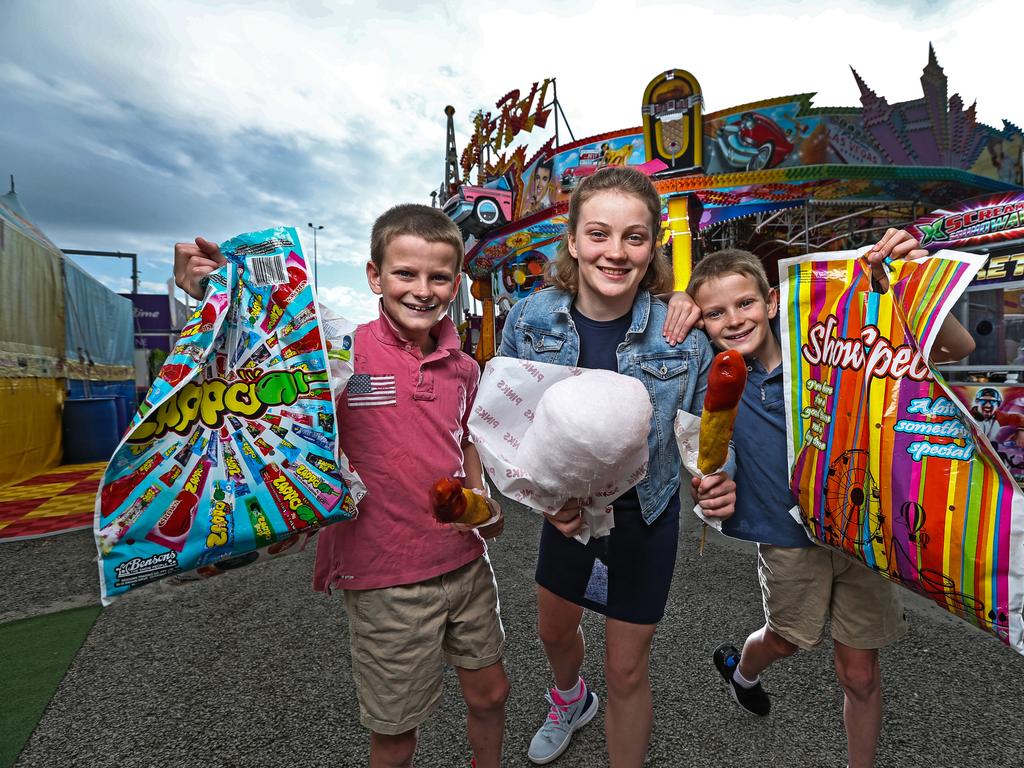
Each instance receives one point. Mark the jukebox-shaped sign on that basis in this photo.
(673, 126)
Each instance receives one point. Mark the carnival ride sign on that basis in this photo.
(981, 220)
(493, 135)
(1002, 269)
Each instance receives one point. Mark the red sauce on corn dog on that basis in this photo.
(447, 500)
(726, 379)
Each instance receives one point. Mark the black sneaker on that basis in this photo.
(755, 699)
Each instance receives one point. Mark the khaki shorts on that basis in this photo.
(402, 636)
(804, 587)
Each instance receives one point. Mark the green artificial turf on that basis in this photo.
(35, 655)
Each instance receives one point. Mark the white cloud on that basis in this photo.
(179, 117)
(351, 303)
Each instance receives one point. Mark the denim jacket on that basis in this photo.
(540, 328)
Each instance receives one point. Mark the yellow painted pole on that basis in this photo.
(481, 290)
(682, 243)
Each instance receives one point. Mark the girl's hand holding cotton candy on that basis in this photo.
(569, 519)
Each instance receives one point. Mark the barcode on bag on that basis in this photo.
(267, 270)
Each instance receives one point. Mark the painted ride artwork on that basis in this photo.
(753, 142)
(478, 209)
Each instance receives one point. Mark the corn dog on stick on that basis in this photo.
(454, 504)
(726, 379)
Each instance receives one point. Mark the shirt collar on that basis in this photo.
(444, 332)
(641, 311)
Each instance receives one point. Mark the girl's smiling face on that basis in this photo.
(613, 245)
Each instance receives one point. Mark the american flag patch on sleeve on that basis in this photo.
(365, 390)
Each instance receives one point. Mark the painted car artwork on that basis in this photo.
(572, 166)
(753, 142)
(479, 209)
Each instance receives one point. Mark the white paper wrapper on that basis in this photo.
(503, 412)
(687, 429)
(340, 333)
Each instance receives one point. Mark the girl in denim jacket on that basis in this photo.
(601, 312)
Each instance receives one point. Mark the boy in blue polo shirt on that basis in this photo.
(803, 586)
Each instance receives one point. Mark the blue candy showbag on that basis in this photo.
(233, 454)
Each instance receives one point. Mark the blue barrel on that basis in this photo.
(90, 429)
(122, 414)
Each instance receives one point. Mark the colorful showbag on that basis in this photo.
(233, 454)
(887, 464)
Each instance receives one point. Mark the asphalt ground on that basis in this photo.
(252, 669)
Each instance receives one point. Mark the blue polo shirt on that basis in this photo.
(763, 498)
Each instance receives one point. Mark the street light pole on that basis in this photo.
(310, 225)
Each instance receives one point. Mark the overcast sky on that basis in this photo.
(130, 125)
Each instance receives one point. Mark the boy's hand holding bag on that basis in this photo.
(233, 454)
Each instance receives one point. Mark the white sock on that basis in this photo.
(573, 693)
(742, 681)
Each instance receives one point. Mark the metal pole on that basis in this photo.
(315, 271)
(554, 83)
(115, 255)
(807, 228)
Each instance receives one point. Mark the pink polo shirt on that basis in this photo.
(402, 418)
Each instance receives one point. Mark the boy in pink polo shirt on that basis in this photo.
(418, 594)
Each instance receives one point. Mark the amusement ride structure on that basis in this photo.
(777, 177)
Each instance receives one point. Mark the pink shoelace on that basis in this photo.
(559, 706)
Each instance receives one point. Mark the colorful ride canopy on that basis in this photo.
(753, 158)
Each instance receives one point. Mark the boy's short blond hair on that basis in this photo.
(564, 272)
(422, 221)
(731, 261)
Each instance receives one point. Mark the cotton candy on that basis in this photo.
(584, 427)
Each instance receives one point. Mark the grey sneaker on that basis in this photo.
(563, 719)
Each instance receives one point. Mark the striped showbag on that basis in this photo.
(887, 464)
